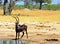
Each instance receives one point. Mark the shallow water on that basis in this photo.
(13, 42)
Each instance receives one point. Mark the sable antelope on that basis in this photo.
(20, 28)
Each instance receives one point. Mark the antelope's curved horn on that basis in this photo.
(15, 18)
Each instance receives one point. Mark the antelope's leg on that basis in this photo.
(26, 33)
(22, 35)
(18, 35)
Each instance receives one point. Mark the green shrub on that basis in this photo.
(37, 6)
(51, 7)
(30, 6)
(19, 6)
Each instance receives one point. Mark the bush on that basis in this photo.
(51, 7)
(30, 6)
(37, 6)
(19, 6)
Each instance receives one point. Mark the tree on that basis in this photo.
(11, 6)
(0, 2)
(42, 1)
(26, 3)
(6, 9)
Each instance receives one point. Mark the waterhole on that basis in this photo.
(13, 42)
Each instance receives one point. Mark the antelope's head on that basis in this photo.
(17, 19)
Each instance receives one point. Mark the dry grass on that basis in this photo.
(33, 15)
(34, 12)
(50, 18)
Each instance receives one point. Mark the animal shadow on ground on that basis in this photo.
(52, 39)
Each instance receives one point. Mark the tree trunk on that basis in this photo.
(0, 3)
(12, 4)
(6, 7)
(26, 3)
(32, 2)
(40, 5)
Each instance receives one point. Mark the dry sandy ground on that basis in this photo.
(37, 32)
